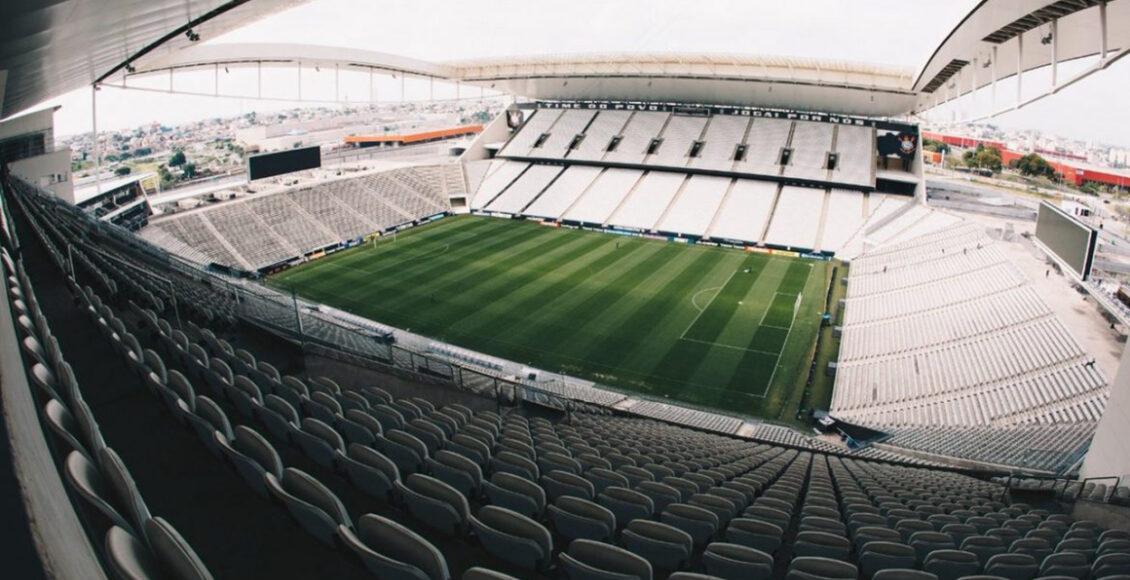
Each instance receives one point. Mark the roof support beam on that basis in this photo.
(1055, 54)
(1019, 69)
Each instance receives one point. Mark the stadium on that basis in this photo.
(629, 315)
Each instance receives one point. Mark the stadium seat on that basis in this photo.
(1013, 566)
(591, 560)
(252, 457)
(951, 564)
(434, 503)
(665, 547)
(390, 550)
(319, 442)
(816, 568)
(822, 544)
(484, 574)
(457, 471)
(82, 476)
(626, 504)
(734, 562)
(312, 504)
(576, 518)
(1112, 564)
(208, 419)
(700, 523)
(878, 555)
(559, 484)
(172, 554)
(512, 537)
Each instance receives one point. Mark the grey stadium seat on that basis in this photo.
(661, 494)
(984, 547)
(626, 504)
(878, 555)
(278, 416)
(665, 547)
(390, 550)
(700, 523)
(1115, 563)
(512, 537)
(252, 457)
(357, 426)
(435, 503)
(906, 574)
(951, 564)
(590, 560)
(128, 557)
(312, 504)
(370, 471)
(122, 490)
(1065, 564)
(559, 484)
(734, 562)
(515, 493)
(485, 574)
(1013, 566)
(821, 544)
(172, 553)
(815, 568)
(319, 442)
(404, 449)
(208, 418)
(755, 534)
(457, 471)
(575, 518)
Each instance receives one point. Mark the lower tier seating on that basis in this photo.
(397, 480)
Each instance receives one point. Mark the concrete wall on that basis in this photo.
(51, 171)
(30, 123)
(1110, 449)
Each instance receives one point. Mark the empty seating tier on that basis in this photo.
(942, 330)
(356, 479)
(269, 229)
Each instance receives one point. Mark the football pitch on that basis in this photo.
(714, 327)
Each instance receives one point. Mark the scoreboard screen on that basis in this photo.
(1070, 240)
(271, 164)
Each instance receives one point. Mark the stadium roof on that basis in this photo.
(49, 47)
(989, 40)
(724, 79)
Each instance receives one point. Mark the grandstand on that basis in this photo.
(267, 230)
(943, 331)
(701, 324)
(441, 489)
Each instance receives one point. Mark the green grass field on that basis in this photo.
(714, 327)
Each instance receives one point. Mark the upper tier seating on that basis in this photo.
(752, 146)
(603, 196)
(943, 330)
(262, 231)
(524, 189)
(648, 201)
(701, 206)
(517, 490)
(810, 144)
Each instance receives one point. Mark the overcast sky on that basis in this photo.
(894, 32)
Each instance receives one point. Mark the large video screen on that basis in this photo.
(271, 164)
(1072, 241)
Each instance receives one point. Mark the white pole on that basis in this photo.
(1102, 35)
(94, 130)
(1019, 68)
(1055, 54)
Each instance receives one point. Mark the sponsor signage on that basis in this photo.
(811, 116)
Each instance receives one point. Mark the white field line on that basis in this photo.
(792, 323)
(707, 307)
